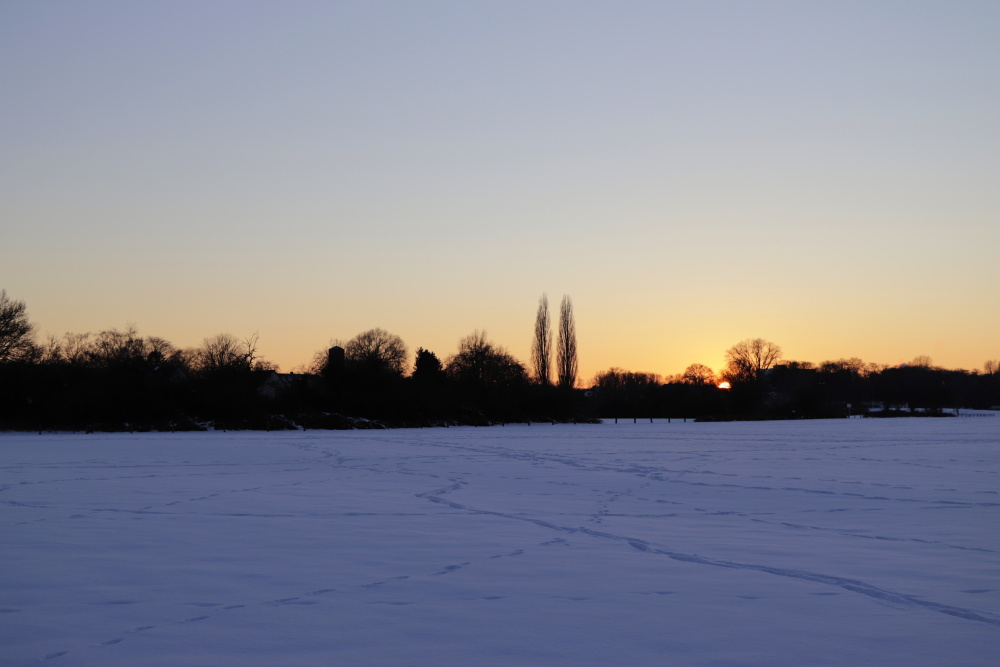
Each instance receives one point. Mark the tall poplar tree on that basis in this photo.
(541, 347)
(566, 361)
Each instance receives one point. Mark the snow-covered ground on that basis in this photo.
(850, 542)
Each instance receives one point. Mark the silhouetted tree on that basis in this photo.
(480, 363)
(748, 359)
(51, 351)
(698, 374)
(621, 392)
(117, 349)
(73, 349)
(159, 350)
(987, 389)
(320, 361)
(376, 350)
(618, 380)
(693, 393)
(221, 353)
(854, 366)
(252, 359)
(913, 386)
(793, 391)
(845, 382)
(541, 345)
(428, 398)
(486, 376)
(427, 367)
(16, 332)
(566, 352)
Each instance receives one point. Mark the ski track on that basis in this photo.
(851, 585)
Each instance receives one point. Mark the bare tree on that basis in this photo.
(113, 348)
(748, 359)
(470, 364)
(376, 350)
(189, 358)
(541, 347)
(159, 350)
(991, 367)
(617, 380)
(75, 348)
(480, 363)
(699, 374)
(566, 359)
(318, 363)
(635, 392)
(250, 347)
(51, 351)
(16, 332)
(222, 352)
(853, 366)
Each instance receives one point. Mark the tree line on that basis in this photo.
(115, 380)
(756, 383)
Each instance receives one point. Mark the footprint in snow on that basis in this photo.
(451, 568)
(51, 656)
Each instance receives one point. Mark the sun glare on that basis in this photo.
(724, 385)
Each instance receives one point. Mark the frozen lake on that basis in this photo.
(849, 542)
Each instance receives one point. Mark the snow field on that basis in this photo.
(783, 543)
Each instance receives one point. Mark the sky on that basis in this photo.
(692, 174)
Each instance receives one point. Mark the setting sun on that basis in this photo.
(724, 385)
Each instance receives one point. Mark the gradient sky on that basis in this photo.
(825, 175)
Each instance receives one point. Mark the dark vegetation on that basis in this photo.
(118, 380)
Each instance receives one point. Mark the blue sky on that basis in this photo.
(819, 174)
